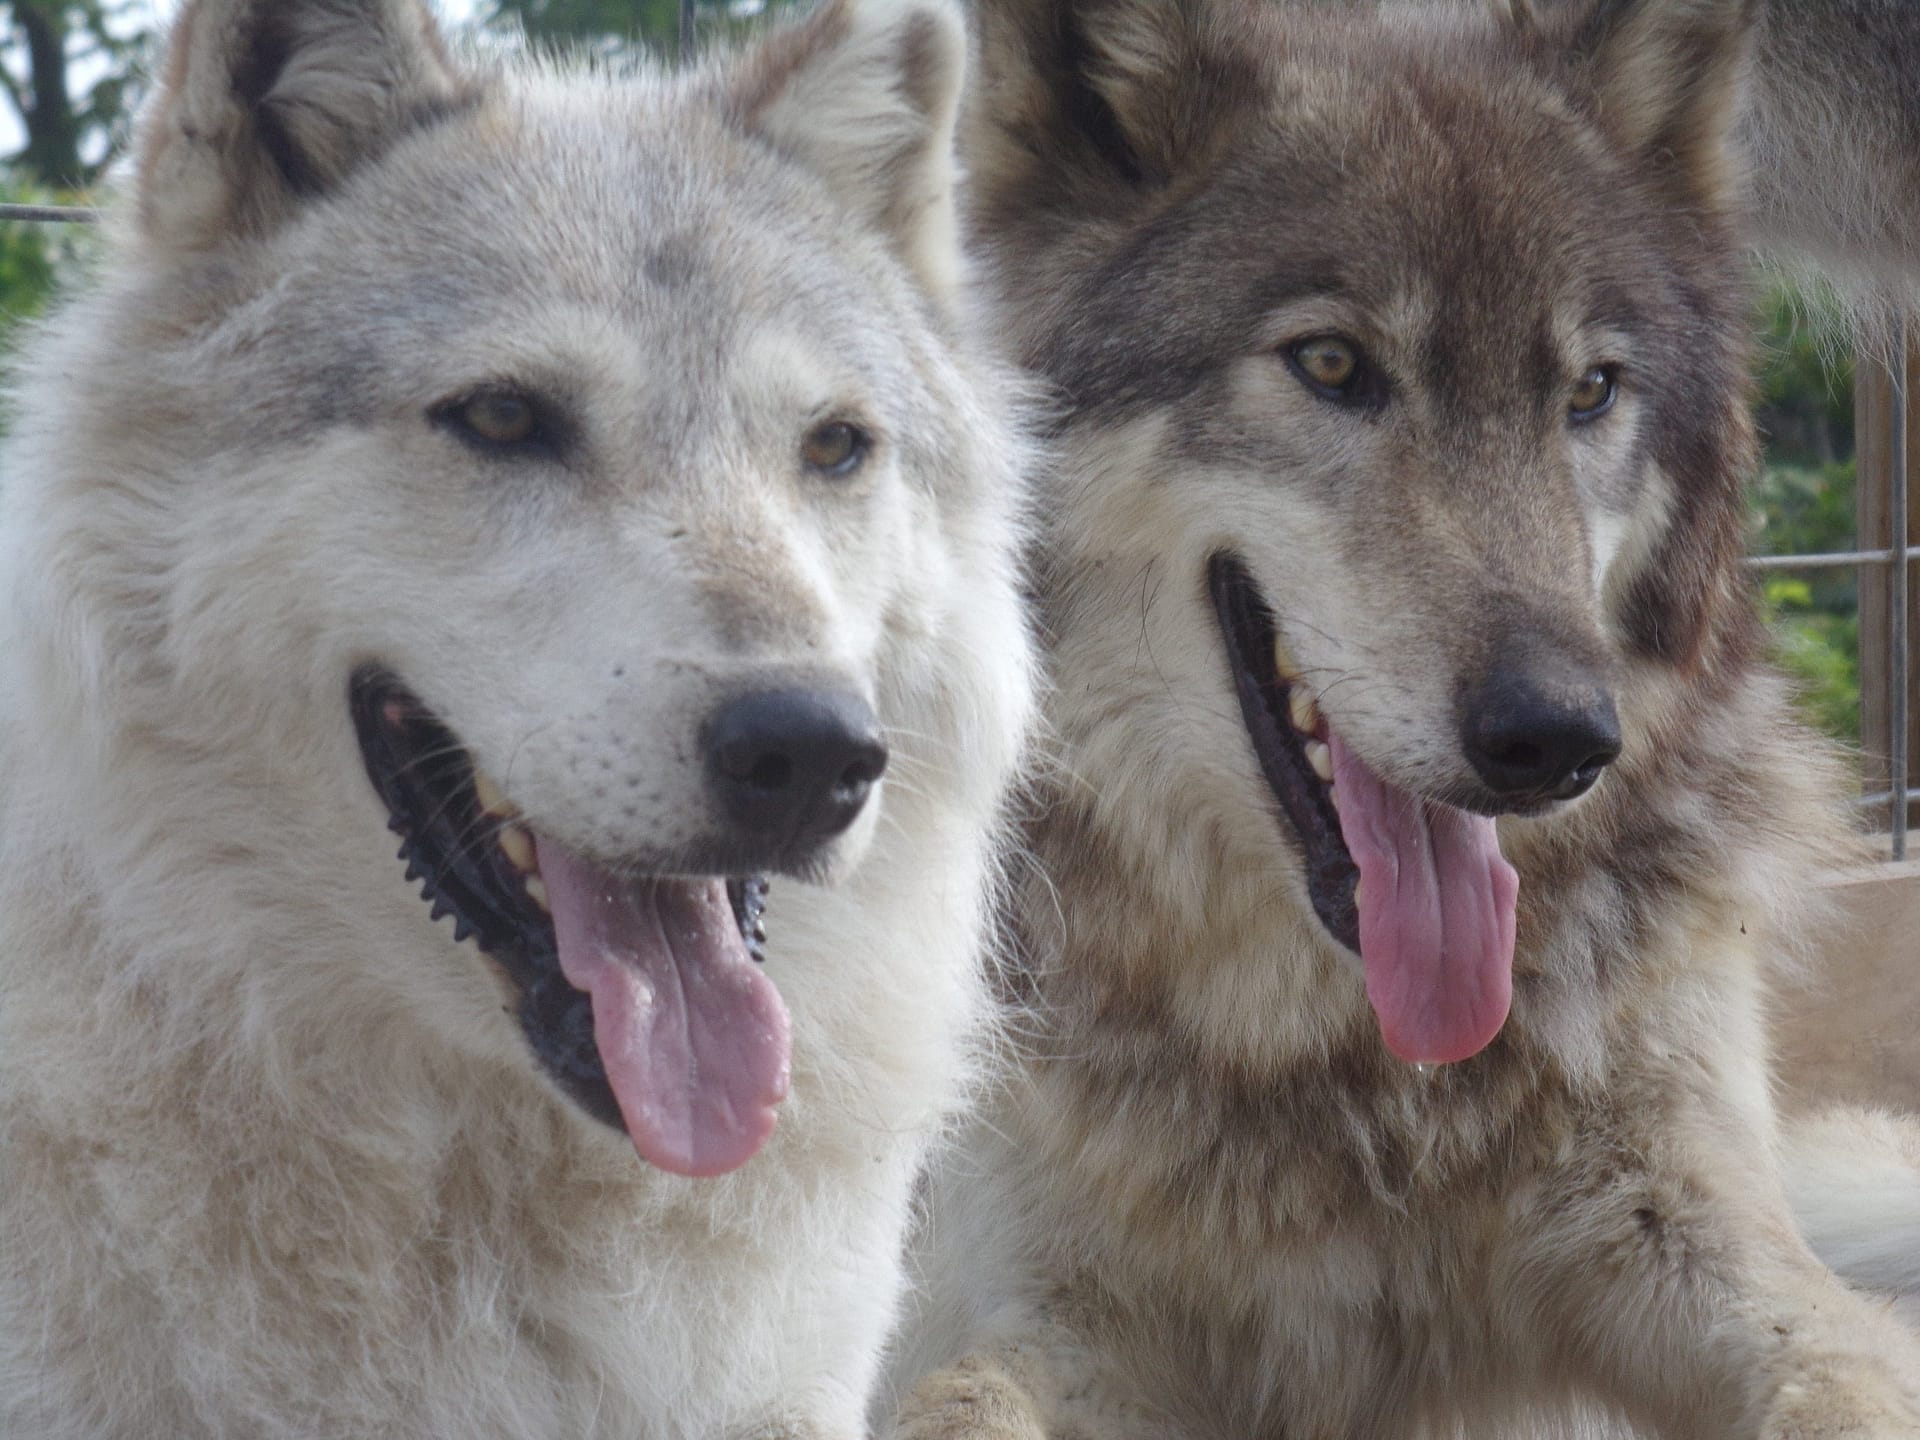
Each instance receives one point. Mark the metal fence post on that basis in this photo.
(1899, 660)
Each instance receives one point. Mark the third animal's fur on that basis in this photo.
(1394, 559)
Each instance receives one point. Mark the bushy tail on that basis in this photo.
(1853, 1176)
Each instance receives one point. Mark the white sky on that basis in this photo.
(155, 13)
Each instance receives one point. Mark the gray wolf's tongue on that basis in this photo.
(1436, 915)
(694, 1039)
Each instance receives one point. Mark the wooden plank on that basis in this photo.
(1873, 392)
(1850, 1030)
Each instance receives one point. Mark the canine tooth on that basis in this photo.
(1304, 713)
(1321, 758)
(537, 892)
(489, 796)
(518, 846)
(1283, 660)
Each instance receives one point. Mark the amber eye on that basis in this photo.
(1593, 395)
(1334, 368)
(835, 448)
(499, 417)
(1327, 361)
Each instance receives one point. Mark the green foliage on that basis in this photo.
(613, 27)
(1804, 504)
(33, 258)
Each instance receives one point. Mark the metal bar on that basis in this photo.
(50, 214)
(1829, 559)
(686, 30)
(1899, 661)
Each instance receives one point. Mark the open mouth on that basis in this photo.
(1416, 887)
(639, 994)
(1290, 742)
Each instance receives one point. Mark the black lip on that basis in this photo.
(424, 776)
(1246, 625)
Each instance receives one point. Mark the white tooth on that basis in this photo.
(489, 796)
(1283, 660)
(1306, 715)
(1321, 758)
(537, 892)
(519, 847)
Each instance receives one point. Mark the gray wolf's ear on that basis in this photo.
(1139, 91)
(867, 93)
(1666, 79)
(1169, 75)
(264, 102)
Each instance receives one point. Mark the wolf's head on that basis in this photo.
(589, 464)
(1406, 430)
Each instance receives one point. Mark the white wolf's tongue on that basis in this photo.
(694, 1039)
(1436, 915)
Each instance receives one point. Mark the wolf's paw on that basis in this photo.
(1863, 1407)
(974, 1400)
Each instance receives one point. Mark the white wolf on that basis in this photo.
(596, 485)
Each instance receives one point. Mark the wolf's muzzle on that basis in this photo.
(793, 768)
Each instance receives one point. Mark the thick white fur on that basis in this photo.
(277, 1160)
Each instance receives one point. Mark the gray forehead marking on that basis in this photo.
(673, 263)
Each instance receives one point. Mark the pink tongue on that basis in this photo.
(1436, 915)
(693, 1037)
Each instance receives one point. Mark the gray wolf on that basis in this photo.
(599, 491)
(1426, 821)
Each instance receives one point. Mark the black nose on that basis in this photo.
(794, 767)
(1544, 733)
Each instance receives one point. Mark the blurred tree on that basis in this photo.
(64, 74)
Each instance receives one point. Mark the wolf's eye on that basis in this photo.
(1593, 396)
(1334, 369)
(502, 418)
(835, 448)
(499, 417)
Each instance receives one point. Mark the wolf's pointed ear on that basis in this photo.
(1666, 77)
(867, 94)
(264, 102)
(1166, 76)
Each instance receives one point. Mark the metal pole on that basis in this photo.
(1900, 666)
(686, 30)
(49, 214)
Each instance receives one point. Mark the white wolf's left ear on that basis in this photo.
(1666, 77)
(263, 104)
(867, 94)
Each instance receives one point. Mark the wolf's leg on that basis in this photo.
(1049, 1385)
(977, 1399)
(1683, 1291)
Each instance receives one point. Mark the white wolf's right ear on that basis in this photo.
(867, 94)
(264, 102)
